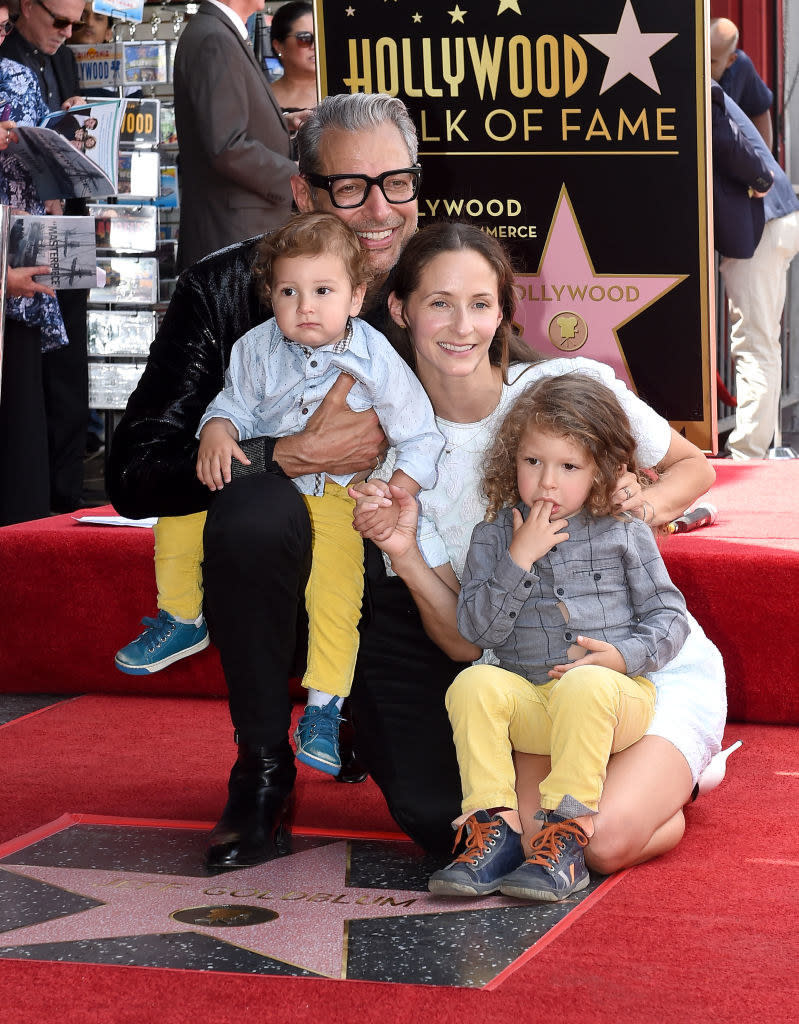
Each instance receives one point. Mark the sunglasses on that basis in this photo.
(59, 22)
(6, 26)
(304, 39)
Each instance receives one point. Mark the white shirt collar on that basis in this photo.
(231, 15)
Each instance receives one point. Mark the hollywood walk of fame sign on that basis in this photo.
(93, 890)
(576, 133)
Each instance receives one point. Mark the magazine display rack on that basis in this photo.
(136, 230)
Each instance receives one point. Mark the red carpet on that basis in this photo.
(707, 932)
(91, 586)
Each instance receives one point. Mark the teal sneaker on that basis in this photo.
(556, 867)
(164, 642)
(316, 738)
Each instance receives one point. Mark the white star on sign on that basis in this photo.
(629, 50)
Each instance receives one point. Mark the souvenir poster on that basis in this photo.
(66, 244)
(168, 195)
(125, 228)
(144, 63)
(121, 10)
(116, 332)
(140, 123)
(99, 65)
(169, 133)
(128, 281)
(138, 175)
(576, 133)
(111, 384)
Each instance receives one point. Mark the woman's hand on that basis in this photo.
(218, 445)
(74, 101)
(600, 653)
(297, 118)
(21, 281)
(629, 497)
(8, 134)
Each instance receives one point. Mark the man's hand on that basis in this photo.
(21, 281)
(336, 440)
(600, 653)
(534, 536)
(218, 445)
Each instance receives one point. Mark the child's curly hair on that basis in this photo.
(310, 234)
(575, 406)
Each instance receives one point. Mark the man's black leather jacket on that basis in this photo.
(151, 470)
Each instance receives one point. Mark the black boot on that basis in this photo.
(352, 768)
(259, 793)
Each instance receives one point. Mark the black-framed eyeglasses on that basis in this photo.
(304, 39)
(58, 21)
(6, 26)
(347, 191)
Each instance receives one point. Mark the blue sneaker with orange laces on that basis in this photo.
(492, 850)
(165, 641)
(556, 867)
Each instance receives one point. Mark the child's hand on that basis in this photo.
(534, 536)
(372, 497)
(599, 653)
(382, 522)
(218, 444)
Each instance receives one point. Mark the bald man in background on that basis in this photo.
(738, 77)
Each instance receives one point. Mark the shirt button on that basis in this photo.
(527, 584)
(567, 636)
(553, 549)
(559, 591)
(511, 615)
(314, 363)
(597, 575)
(304, 411)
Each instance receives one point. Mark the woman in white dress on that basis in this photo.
(453, 301)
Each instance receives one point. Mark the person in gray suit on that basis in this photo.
(235, 150)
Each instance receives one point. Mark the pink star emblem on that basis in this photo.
(306, 895)
(569, 309)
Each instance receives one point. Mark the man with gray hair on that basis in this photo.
(255, 564)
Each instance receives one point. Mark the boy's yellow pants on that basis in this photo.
(332, 597)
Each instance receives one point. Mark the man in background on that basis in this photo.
(738, 77)
(235, 149)
(37, 42)
(756, 288)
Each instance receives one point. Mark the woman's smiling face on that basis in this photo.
(452, 314)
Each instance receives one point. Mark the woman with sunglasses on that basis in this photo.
(33, 321)
(293, 45)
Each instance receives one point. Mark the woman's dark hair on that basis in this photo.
(284, 18)
(454, 236)
(578, 407)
